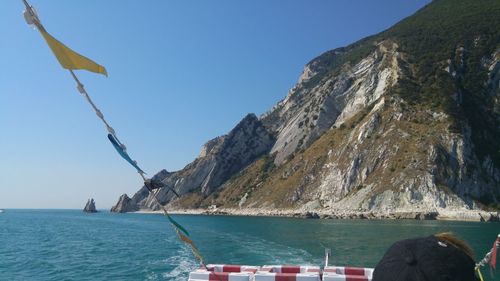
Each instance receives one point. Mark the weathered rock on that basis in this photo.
(218, 160)
(124, 204)
(90, 206)
(309, 110)
(311, 215)
(477, 216)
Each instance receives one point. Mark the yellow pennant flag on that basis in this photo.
(70, 59)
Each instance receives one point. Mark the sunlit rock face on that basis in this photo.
(310, 108)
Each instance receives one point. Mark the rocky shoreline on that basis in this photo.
(455, 215)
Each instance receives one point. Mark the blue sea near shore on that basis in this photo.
(72, 245)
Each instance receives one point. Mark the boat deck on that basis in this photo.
(221, 272)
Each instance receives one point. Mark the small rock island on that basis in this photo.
(90, 206)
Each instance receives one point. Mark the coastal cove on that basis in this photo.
(72, 245)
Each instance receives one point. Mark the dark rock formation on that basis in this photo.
(311, 215)
(90, 206)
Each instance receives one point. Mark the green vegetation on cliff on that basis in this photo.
(445, 43)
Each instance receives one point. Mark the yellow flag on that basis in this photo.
(70, 59)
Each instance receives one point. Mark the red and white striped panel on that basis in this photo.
(203, 275)
(344, 273)
(271, 276)
(344, 270)
(341, 277)
(232, 268)
(290, 269)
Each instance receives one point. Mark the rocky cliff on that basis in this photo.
(124, 204)
(405, 120)
(218, 160)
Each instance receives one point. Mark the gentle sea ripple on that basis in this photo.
(71, 245)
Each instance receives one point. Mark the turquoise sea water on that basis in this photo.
(71, 245)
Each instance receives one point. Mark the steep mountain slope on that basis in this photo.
(219, 159)
(408, 119)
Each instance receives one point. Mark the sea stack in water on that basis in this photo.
(90, 206)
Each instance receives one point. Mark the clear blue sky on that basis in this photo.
(180, 73)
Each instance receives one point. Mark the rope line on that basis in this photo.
(98, 112)
(32, 19)
(182, 233)
(479, 273)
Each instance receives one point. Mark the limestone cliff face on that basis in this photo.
(378, 165)
(378, 153)
(218, 160)
(312, 108)
(400, 121)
